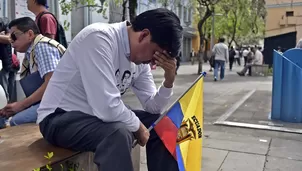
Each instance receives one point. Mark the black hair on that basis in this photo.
(117, 71)
(221, 40)
(126, 72)
(41, 2)
(164, 26)
(24, 24)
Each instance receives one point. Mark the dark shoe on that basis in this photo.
(215, 79)
(240, 74)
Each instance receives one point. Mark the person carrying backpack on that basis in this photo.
(47, 22)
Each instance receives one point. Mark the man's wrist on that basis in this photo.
(25, 103)
(168, 84)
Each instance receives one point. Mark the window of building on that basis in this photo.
(185, 14)
(179, 10)
(289, 13)
(190, 14)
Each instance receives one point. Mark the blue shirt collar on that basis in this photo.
(28, 51)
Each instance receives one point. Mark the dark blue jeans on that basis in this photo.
(7, 80)
(2, 122)
(221, 64)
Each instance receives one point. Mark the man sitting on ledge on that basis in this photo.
(254, 57)
(82, 108)
(41, 59)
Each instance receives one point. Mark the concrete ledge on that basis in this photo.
(260, 70)
(84, 161)
(136, 157)
(23, 148)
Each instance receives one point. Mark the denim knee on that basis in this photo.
(28, 115)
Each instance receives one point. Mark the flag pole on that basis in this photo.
(203, 74)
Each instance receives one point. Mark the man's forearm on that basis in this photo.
(4, 39)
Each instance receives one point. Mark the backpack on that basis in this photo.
(60, 36)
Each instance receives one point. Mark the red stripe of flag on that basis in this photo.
(167, 132)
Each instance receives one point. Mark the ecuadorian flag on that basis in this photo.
(181, 129)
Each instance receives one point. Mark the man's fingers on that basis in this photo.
(167, 54)
(164, 56)
(8, 106)
(163, 59)
(165, 65)
(141, 143)
(158, 57)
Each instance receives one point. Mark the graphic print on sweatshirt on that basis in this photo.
(124, 80)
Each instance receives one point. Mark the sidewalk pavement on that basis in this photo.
(234, 148)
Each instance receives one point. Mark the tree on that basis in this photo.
(132, 9)
(243, 21)
(205, 9)
(235, 12)
(68, 5)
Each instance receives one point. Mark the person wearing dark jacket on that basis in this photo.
(9, 70)
(232, 54)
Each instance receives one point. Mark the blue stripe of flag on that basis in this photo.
(175, 114)
(180, 161)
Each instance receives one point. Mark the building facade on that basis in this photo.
(78, 18)
(283, 26)
(283, 16)
(185, 13)
(81, 17)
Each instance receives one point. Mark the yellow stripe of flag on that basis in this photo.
(192, 108)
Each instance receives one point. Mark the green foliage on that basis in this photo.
(240, 21)
(101, 6)
(68, 6)
(49, 155)
(70, 166)
(270, 71)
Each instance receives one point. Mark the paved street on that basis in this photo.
(233, 148)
